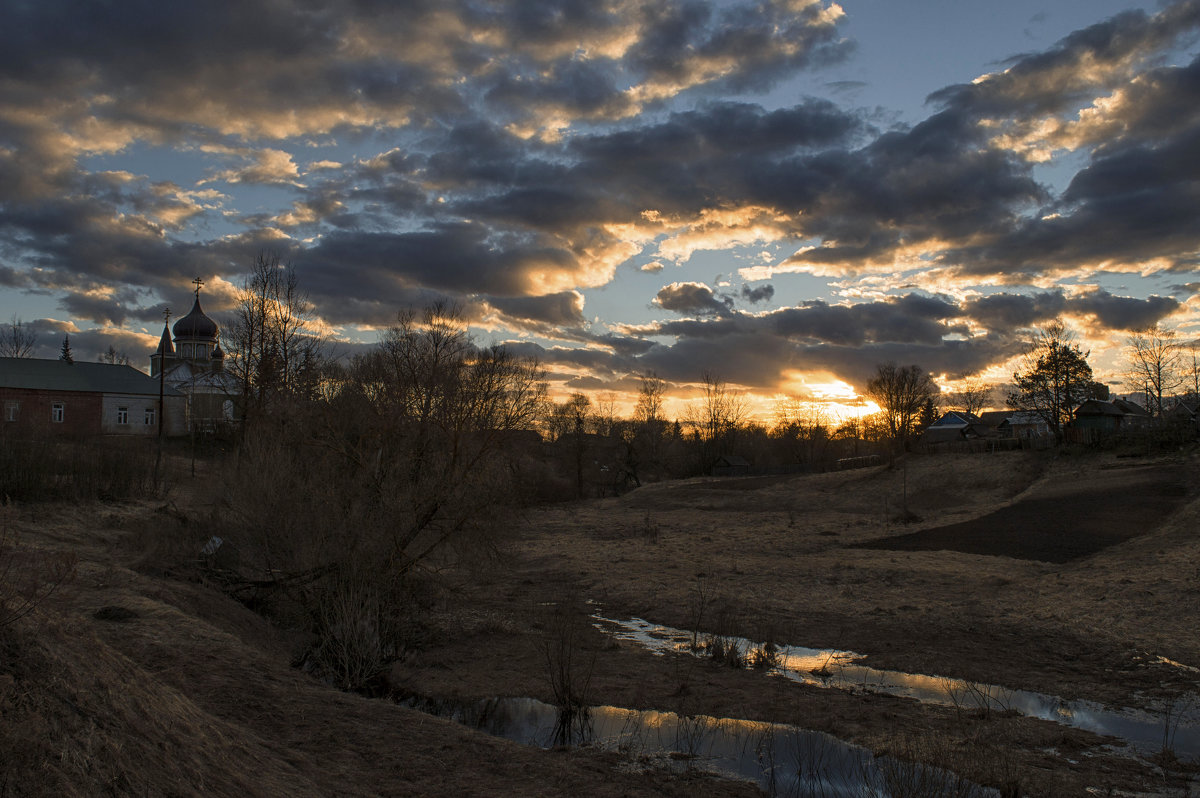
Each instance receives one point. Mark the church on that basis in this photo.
(191, 361)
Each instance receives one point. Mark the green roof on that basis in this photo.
(58, 375)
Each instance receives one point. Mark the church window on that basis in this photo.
(122, 415)
(187, 350)
(58, 412)
(10, 410)
(149, 416)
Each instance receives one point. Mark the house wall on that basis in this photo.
(1102, 423)
(34, 408)
(175, 422)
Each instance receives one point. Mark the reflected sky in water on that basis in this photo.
(1142, 729)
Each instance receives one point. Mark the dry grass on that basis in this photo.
(192, 694)
(195, 694)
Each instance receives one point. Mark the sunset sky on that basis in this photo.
(784, 193)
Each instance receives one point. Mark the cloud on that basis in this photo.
(564, 309)
(509, 156)
(692, 298)
(755, 295)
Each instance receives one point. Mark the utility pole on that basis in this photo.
(162, 371)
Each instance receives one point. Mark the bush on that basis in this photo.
(99, 469)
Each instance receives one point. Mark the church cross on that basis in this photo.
(166, 315)
(198, 283)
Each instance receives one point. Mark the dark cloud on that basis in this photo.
(1124, 313)
(563, 309)
(692, 298)
(755, 295)
(1007, 313)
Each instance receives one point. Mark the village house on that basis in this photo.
(1105, 417)
(955, 426)
(63, 398)
(1015, 423)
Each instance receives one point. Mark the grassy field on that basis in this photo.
(937, 565)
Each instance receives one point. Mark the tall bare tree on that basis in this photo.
(1155, 365)
(901, 392)
(651, 393)
(973, 396)
(715, 418)
(16, 339)
(271, 347)
(1190, 369)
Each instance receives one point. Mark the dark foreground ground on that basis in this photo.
(193, 694)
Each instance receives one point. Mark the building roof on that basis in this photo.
(957, 419)
(58, 375)
(164, 343)
(188, 378)
(1129, 408)
(195, 324)
(994, 418)
(1095, 407)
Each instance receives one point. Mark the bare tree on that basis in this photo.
(16, 339)
(1154, 365)
(1190, 370)
(651, 393)
(973, 396)
(406, 460)
(115, 357)
(804, 426)
(901, 392)
(715, 418)
(271, 348)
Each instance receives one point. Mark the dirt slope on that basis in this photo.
(191, 694)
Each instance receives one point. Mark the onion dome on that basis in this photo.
(195, 324)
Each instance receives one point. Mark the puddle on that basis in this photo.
(1142, 730)
(783, 760)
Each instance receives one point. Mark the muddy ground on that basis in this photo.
(1066, 574)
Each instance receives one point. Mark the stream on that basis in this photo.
(783, 760)
(1175, 726)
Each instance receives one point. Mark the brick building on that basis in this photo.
(56, 397)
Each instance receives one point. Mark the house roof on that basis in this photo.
(58, 375)
(966, 432)
(994, 418)
(1095, 407)
(956, 418)
(1130, 408)
(732, 460)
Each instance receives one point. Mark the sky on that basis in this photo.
(782, 193)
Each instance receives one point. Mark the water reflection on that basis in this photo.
(783, 760)
(1174, 725)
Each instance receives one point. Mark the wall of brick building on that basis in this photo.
(34, 408)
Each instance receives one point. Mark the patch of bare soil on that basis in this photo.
(1063, 520)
